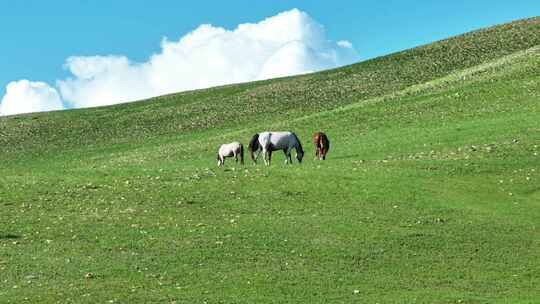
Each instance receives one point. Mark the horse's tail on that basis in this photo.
(241, 154)
(253, 146)
(326, 143)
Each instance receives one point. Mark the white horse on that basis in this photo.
(234, 149)
(267, 142)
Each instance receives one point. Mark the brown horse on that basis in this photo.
(322, 145)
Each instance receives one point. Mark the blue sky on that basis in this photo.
(38, 36)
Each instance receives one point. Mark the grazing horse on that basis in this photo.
(322, 145)
(234, 149)
(267, 142)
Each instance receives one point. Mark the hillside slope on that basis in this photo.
(429, 193)
(232, 106)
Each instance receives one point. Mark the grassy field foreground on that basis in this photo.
(430, 192)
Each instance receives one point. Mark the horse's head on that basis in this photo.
(299, 150)
(299, 155)
(218, 160)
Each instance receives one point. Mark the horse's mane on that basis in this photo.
(299, 143)
(241, 154)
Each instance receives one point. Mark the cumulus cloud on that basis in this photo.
(289, 43)
(25, 96)
(104, 80)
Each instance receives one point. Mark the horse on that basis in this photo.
(234, 149)
(322, 145)
(267, 142)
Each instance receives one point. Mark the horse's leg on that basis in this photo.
(265, 156)
(257, 154)
(288, 158)
(268, 155)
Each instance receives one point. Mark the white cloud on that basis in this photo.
(289, 43)
(104, 80)
(345, 44)
(25, 96)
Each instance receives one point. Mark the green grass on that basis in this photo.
(429, 193)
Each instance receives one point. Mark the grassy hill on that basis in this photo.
(429, 194)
